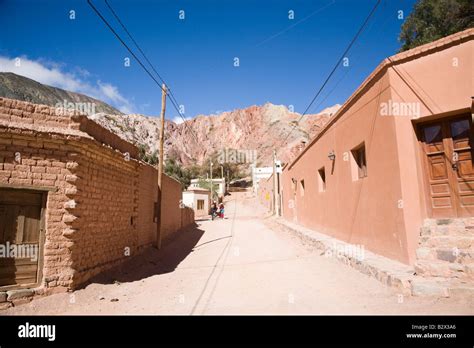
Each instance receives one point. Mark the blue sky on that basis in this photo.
(282, 60)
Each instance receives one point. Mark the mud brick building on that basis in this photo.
(78, 194)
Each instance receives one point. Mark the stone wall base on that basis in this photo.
(11, 298)
(402, 278)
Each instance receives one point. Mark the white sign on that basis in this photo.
(278, 167)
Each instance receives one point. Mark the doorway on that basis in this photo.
(21, 236)
(448, 153)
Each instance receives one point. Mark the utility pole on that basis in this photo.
(278, 207)
(223, 180)
(160, 165)
(212, 196)
(275, 185)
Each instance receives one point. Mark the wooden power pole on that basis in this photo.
(160, 165)
(276, 191)
(212, 195)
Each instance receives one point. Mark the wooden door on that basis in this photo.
(461, 139)
(447, 146)
(21, 227)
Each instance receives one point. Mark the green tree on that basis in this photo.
(173, 169)
(231, 170)
(431, 20)
(146, 156)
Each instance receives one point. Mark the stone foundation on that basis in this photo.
(446, 249)
(402, 278)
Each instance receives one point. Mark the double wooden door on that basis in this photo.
(449, 172)
(21, 233)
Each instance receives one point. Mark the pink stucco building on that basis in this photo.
(396, 158)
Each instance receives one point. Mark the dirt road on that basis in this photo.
(237, 266)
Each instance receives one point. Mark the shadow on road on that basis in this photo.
(211, 241)
(203, 218)
(152, 261)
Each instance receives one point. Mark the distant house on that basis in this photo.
(198, 199)
(259, 173)
(396, 158)
(220, 190)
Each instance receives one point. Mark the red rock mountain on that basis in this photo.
(255, 130)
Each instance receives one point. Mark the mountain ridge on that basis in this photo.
(257, 129)
(23, 88)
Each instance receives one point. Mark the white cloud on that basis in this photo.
(50, 73)
(179, 120)
(111, 92)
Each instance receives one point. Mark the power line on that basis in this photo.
(143, 53)
(137, 59)
(295, 24)
(380, 32)
(171, 96)
(334, 69)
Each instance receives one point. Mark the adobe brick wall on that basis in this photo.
(175, 215)
(187, 217)
(147, 196)
(91, 218)
(102, 209)
(104, 219)
(44, 163)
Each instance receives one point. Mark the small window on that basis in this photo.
(322, 180)
(302, 188)
(433, 134)
(460, 129)
(200, 204)
(360, 161)
(293, 185)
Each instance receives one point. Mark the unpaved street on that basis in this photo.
(237, 266)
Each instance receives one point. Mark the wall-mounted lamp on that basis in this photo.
(331, 155)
